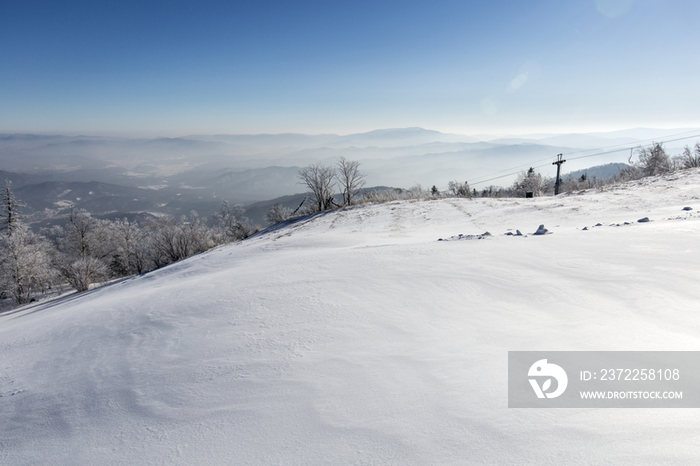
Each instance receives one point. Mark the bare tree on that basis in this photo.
(350, 178)
(319, 179)
(10, 205)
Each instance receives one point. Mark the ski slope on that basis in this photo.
(356, 337)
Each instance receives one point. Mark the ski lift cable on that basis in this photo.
(640, 142)
(633, 147)
(476, 181)
(599, 149)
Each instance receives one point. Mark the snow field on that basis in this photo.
(355, 337)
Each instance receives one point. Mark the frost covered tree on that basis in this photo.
(25, 264)
(458, 189)
(350, 179)
(162, 233)
(691, 158)
(83, 272)
(319, 179)
(77, 238)
(87, 246)
(233, 222)
(277, 213)
(653, 160)
(25, 258)
(11, 216)
(195, 236)
(131, 255)
(530, 181)
(172, 240)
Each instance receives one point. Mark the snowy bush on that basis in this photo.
(690, 158)
(83, 272)
(458, 189)
(277, 214)
(654, 160)
(397, 194)
(172, 240)
(233, 223)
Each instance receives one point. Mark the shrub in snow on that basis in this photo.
(83, 272)
(654, 160)
(458, 189)
(691, 158)
(233, 222)
(172, 240)
(277, 214)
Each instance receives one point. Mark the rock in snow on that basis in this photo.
(541, 230)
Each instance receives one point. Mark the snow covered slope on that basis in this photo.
(356, 337)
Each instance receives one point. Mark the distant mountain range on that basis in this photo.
(110, 175)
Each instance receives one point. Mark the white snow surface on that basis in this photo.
(355, 337)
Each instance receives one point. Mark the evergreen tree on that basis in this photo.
(11, 216)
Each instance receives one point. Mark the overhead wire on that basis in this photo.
(602, 151)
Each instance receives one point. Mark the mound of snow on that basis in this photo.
(354, 337)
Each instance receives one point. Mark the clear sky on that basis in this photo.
(180, 67)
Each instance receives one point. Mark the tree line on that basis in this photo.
(87, 251)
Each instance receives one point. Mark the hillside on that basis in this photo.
(356, 337)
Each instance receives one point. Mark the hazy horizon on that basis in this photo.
(657, 132)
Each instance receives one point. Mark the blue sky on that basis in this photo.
(175, 68)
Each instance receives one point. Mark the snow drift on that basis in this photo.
(356, 337)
